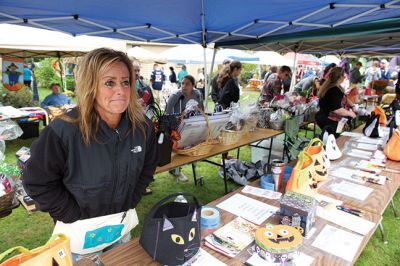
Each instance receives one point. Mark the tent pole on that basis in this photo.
(293, 81)
(205, 101)
(208, 79)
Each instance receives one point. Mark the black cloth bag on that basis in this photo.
(372, 127)
(171, 232)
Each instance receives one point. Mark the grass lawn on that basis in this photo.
(32, 230)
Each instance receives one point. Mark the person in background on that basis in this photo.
(274, 85)
(372, 73)
(144, 91)
(201, 82)
(215, 89)
(333, 102)
(386, 73)
(272, 70)
(27, 76)
(55, 98)
(310, 72)
(183, 73)
(89, 168)
(177, 104)
(157, 80)
(355, 75)
(172, 76)
(326, 72)
(308, 86)
(227, 80)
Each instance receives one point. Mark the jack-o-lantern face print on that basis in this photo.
(278, 237)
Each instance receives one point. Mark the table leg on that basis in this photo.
(394, 208)
(224, 169)
(194, 174)
(270, 149)
(382, 232)
(238, 152)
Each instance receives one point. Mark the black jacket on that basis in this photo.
(215, 90)
(73, 181)
(230, 93)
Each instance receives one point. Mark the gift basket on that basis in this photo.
(203, 147)
(235, 128)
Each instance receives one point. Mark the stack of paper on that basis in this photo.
(232, 238)
(250, 209)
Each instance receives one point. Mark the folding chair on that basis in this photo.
(293, 143)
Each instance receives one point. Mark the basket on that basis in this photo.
(229, 137)
(202, 148)
(6, 200)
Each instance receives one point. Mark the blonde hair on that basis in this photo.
(334, 75)
(93, 64)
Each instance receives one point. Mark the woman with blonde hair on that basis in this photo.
(90, 168)
(333, 102)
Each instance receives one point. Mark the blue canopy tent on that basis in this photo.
(234, 23)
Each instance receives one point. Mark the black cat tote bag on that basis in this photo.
(372, 128)
(171, 231)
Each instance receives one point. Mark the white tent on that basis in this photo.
(145, 56)
(238, 55)
(273, 58)
(190, 54)
(19, 41)
(328, 59)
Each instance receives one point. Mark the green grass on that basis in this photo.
(32, 230)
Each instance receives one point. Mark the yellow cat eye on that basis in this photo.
(192, 233)
(177, 239)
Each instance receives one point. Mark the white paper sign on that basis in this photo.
(250, 209)
(351, 190)
(338, 242)
(302, 259)
(203, 258)
(346, 220)
(259, 192)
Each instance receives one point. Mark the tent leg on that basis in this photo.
(293, 81)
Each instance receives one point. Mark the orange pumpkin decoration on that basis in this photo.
(392, 148)
(276, 243)
(303, 174)
(382, 116)
(321, 161)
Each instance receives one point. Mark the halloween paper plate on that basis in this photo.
(278, 243)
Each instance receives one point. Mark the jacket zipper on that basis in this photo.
(115, 168)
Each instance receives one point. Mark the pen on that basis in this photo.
(349, 211)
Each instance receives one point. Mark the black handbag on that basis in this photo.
(372, 127)
(171, 232)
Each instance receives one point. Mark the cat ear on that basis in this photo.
(167, 225)
(194, 217)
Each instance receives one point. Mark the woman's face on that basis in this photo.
(236, 72)
(187, 86)
(113, 90)
(317, 84)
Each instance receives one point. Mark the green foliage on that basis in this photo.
(70, 83)
(17, 99)
(45, 74)
(248, 70)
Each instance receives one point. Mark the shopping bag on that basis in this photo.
(372, 127)
(382, 115)
(301, 179)
(56, 249)
(171, 232)
(321, 161)
(392, 148)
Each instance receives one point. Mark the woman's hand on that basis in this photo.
(352, 114)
